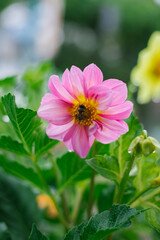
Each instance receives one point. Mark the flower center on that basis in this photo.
(84, 113)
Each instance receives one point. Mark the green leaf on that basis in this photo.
(152, 201)
(8, 144)
(153, 218)
(8, 83)
(106, 166)
(24, 121)
(18, 208)
(4, 233)
(43, 143)
(20, 170)
(119, 149)
(101, 225)
(36, 234)
(147, 170)
(73, 169)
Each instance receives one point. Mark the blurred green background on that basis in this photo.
(43, 37)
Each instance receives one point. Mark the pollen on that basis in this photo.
(84, 113)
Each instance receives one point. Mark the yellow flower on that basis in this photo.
(146, 74)
(45, 202)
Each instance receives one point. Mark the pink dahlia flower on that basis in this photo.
(83, 108)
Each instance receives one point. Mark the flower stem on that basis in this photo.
(76, 209)
(63, 195)
(47, 190)
(92, 184)
(124, 180)
(91, 195)
(139, 194)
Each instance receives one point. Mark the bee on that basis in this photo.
(80, 112)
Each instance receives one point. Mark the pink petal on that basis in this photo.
(93, 75)
(106, 135)
(58, 132)
(68, 144)
(80, 141)
(74, 82)
(91, 140)
(117, 126)
(121, 111)
(69, 133)
(102, 95)
(119, 90)
(55, 86)
(48, 97)
(54, 111)
(92, 129)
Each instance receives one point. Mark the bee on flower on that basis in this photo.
(146, 75)
(83, 108)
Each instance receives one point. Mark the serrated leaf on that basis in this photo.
(75, 232)
(8, 144)
(24, 121)
(101, 225)
(43, 143)
(106, 166)
(36, 234)
(20, 170)
(73, 169)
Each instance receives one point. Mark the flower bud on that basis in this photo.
(135, 146)
(147, 147)
(143, 144)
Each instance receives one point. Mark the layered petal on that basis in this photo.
(93, 75)
(118, 126)
(121, 111)
(106, 135)
(58, 132)
(101, 95)
(92, 128)
(80, 141)
(119, 90)
(54, 110)
(73, 81)
(56, 88)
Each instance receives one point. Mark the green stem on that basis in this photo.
(146, 197)
(92, 184)
(91, 194)
(139, 194)
(124, 179)
(120, 156)
(47, 190)
(76, 209)
(55, 169)
(65, 207)
(63, 195)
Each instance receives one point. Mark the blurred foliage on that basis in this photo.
(109, 33)
(121, 28)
